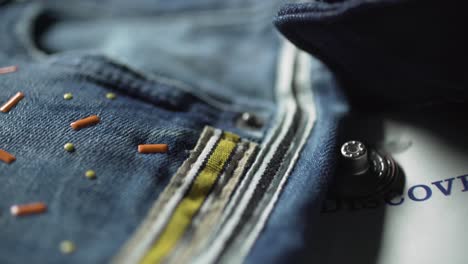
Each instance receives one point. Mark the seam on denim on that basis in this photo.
(23, 30)
(142, 239)
(274, 135)
(252, 188)
(242, 196)
(260, 192)
(233, 106)
(212, 210)
(305, 98)
(239, 17)
(129, 77)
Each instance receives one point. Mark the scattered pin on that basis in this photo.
(153, 148)
(28, 209)
(67, 247)
(111, 96)
(6, 157)
(12, 102)
(90, 174)
(85, 122)
(8, 69)
(69, 147)
(68, 96)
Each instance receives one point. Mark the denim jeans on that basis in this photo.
(176, 68)
(250, 121)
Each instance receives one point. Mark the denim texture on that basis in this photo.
(172, 76)
(176, 67)
(97, 215)
(199, 47)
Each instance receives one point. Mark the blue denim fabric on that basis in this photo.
(176, 67)
(98, 215)
(204, 46)
(172, 76)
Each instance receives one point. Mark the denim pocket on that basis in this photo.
(102, 70)
(141, 110)
(134, 108)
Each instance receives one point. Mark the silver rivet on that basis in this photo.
(355, 157)
(366, 172)
(249, 120)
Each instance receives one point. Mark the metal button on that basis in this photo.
(355, 157)
(365, 172)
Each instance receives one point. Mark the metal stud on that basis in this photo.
(355, 157)
(365, 173)
(249, 121)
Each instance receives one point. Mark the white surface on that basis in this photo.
(431, 231)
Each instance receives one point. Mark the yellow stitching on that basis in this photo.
(209, 221)
(188, 207)
(125, 254)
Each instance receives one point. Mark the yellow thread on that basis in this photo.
(188, 207)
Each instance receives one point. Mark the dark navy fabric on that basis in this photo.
(387, 53)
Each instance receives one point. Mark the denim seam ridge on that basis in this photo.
(267, 205)
(241, 197)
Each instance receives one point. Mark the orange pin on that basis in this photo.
(8, 69)
(28, 209)
(85, 122)
(12, 102)
(6, 157)
(153, 148)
